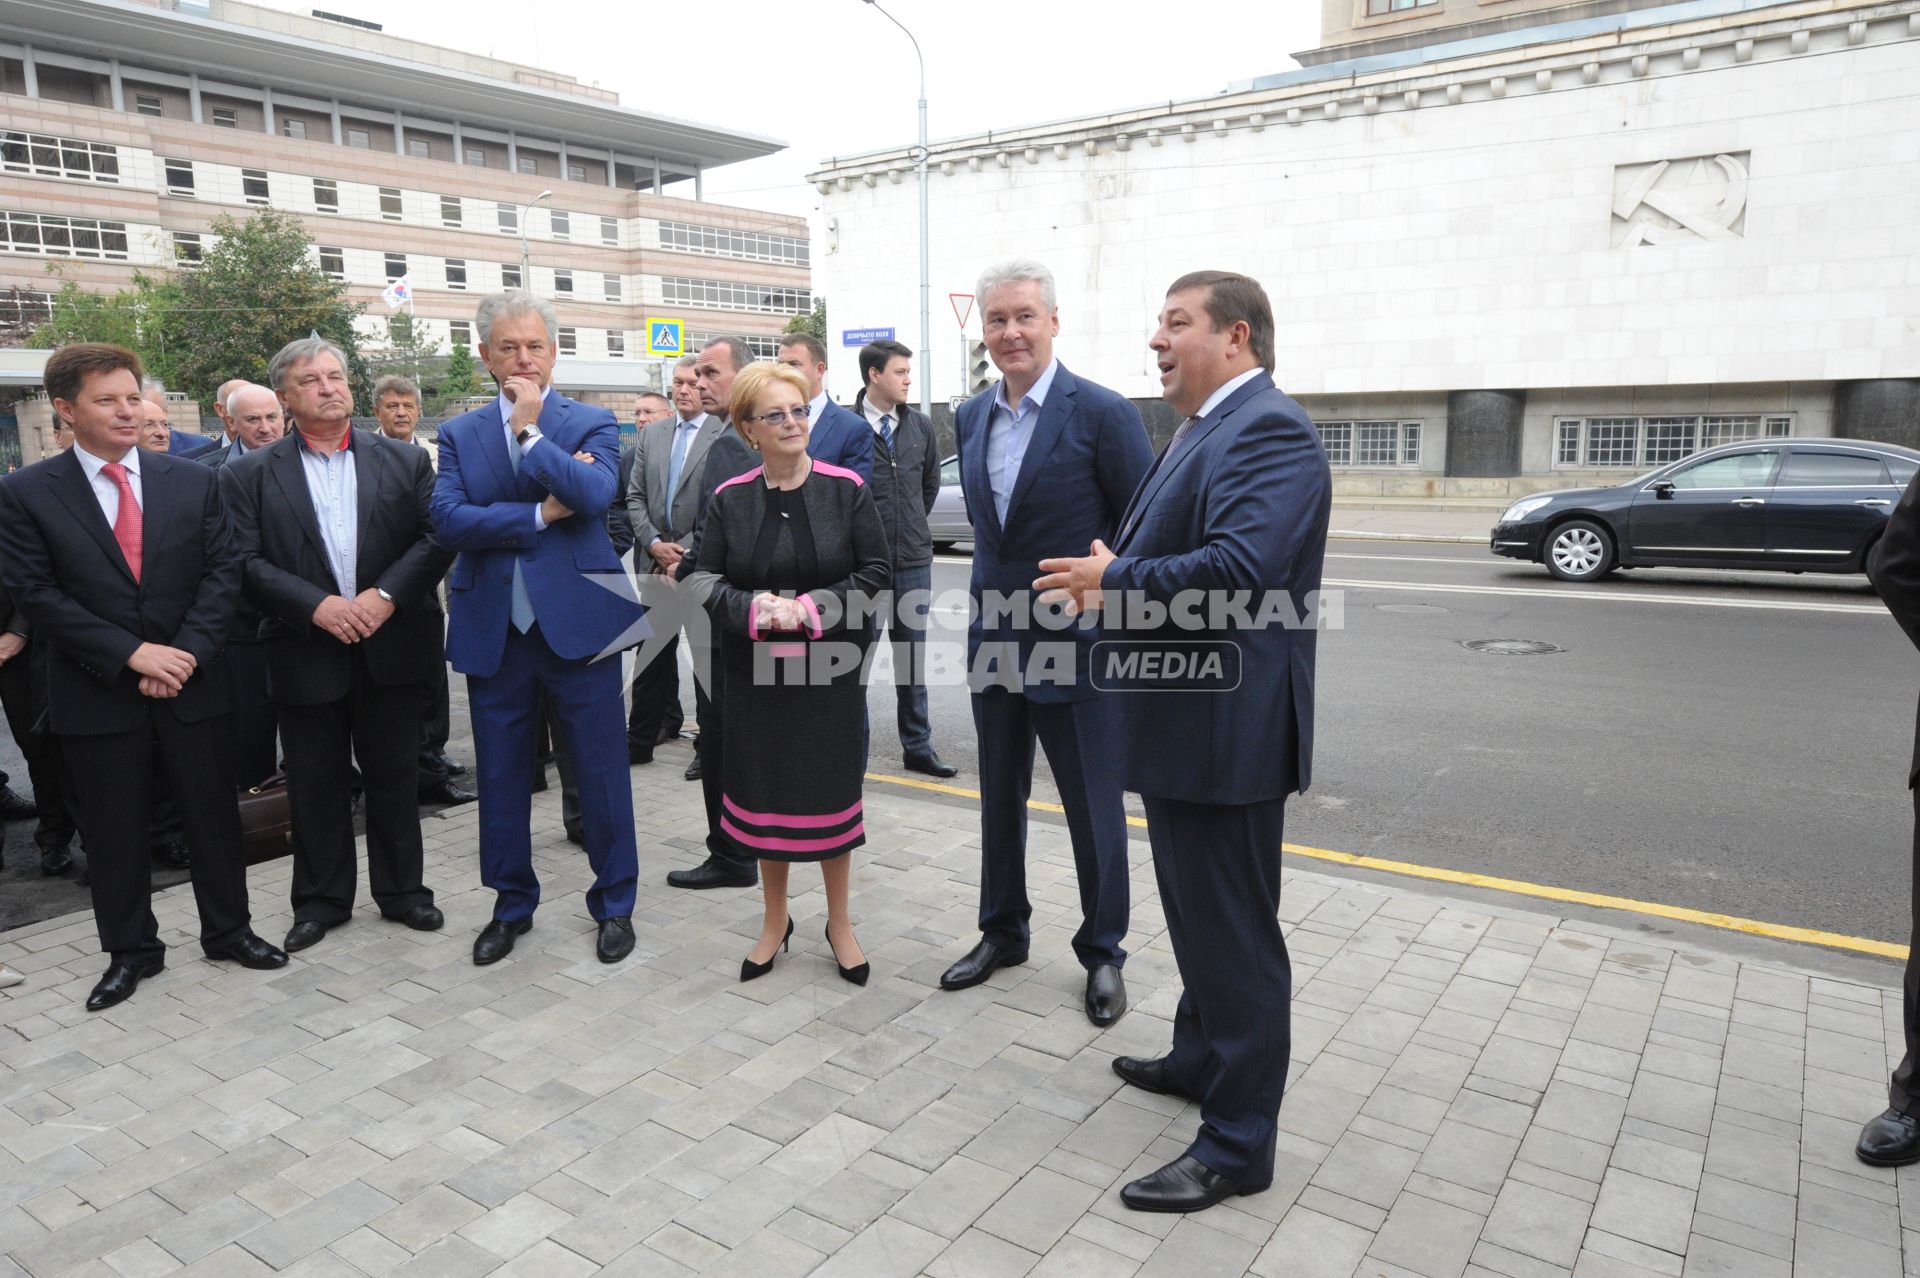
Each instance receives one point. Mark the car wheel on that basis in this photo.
(1580, 550)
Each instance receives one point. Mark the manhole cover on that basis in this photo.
(1415, 609)
(1511, 647)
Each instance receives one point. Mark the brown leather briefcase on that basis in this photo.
(266, 819)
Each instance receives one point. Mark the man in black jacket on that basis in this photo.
(22, 694)
(906, 480)
(123, 562)
(1893, 1139)
(335, 538)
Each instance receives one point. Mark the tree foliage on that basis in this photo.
(814, 322)
(462, 375)
(125, 318)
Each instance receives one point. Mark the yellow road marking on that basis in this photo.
(1519, 887)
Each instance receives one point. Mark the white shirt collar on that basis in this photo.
(506, 409)
(817, 405)
(1037, 396)
(1214, 400)
(696, 421)
(92, 465)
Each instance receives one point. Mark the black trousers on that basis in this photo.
(113, 780)
(656, 685)
(378, 724)
(22, 696)
(250, 747)
(436, 725)
(712, 748)
(1218, 868)
(1904, 1094)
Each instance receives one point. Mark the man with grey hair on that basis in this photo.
(396, 406)
(539, 599)
(336, 541)
(254, 420)
(227, 388)
(1048, 461)
(180, 443)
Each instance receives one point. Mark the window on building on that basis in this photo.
(49, 235)
(510, 276)
(1378, 7)
(396, 265)
(26, 309)
(253, 185)
(460, 332)
(226, 118)
(476, 157)
(147, 104)
(616, 344)
(609, 230)
(1371, 443)
(187, 249)
(333, 262)
(576, 172)
(292, 128)
(715, 241)
(326, 195)
(563, 281)
(734, 296)
(560, 224)
(612, 287)
(449, 210)
(529, 165)
(1593, 442)
(46, 156)
(457, 273)
(390, 203)
(360, 139)
(509, 216)
(762, 347)
(179, 176)
(420, 148)
(568, 343)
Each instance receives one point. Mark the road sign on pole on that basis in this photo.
(666, 337)
(962, 307)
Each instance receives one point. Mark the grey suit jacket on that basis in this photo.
(650, 508)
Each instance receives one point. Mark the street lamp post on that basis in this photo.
(926, 288)
(526, 268)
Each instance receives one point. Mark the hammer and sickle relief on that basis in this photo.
(1678, 200)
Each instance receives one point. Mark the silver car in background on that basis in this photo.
(948, 519)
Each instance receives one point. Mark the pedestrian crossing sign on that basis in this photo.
(666, 337)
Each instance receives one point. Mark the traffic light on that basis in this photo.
(980, 371)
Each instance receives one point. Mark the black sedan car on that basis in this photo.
(1791, 505)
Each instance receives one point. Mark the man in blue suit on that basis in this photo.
(1217, 712)
(834, 435)
(537, 599)
(1047, 463)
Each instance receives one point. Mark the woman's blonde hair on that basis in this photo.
(755, 380)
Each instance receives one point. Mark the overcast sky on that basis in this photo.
(834, 77)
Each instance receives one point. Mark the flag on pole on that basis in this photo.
(399, 293)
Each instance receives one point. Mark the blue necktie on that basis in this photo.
(677, 462)
(522, 610)
(886, 432)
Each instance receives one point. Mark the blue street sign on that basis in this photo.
(861, 336)
(666, 337)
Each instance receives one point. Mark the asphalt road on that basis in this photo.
(1735, 742)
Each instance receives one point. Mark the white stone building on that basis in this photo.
(1500, 258)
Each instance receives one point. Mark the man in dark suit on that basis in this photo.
(1893, 1138)
(538, 603)
(1237, 501)
(122, 561)
(834, 435)
(333, 528)
(22, 693)
(1047, 463)
(662, 496)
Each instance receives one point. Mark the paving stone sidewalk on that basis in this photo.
(1474, 1091)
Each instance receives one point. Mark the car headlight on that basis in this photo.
(1522, 508)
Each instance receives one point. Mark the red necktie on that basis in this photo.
(126, 523)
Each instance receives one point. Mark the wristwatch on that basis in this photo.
(382, 592)
(526, 435)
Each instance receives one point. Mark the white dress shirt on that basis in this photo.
(105, 491)
(1214, 400)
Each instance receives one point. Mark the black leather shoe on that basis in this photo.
(424, 918)
(931, 764)
(1890, 1140)
(172, 855)
(453, 766)
(449, 792)
(301, 935)
(694, 770)
(638, 754)
(982, 961)
(856, 975)
(712, 873)
(118, 985)
(1185, 1184)
(16, 807)
(55, 860)
(495, 941)
(668, 734)
(752, 971)
(616, 939)
(1106, 995)
(1149, 1075)
(250, 951)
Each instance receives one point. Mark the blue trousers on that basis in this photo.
(1078, 737)
(1218, 868)
(585, 699)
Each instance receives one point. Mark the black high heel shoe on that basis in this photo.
(750, 970)
(858, 975)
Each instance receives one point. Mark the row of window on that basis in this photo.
(1371, 443)
(51, 235)
(734, 296)
(1645, 442)
(45, 156)
(717, 241)
(460, 333)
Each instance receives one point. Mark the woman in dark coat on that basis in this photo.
(791, 553)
